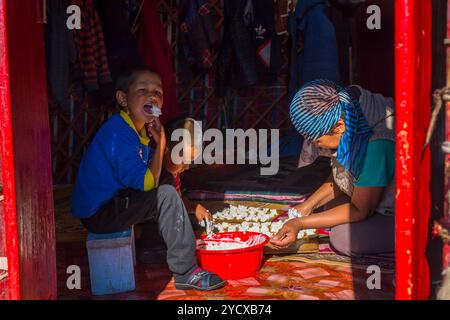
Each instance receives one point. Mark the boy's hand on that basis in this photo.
(201, 213)
(156, 123)
(287, 235)
(156, 130)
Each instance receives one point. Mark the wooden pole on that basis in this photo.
(8, 169)
(412, 97)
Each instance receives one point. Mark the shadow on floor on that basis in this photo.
(151, 278)
(303, 276)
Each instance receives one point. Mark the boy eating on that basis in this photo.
(118, 181)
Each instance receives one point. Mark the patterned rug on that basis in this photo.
(290, 185)
(3, 274)
(4, 288)
(3, 268)
(322, 274)
(68, 228)
(304, 277)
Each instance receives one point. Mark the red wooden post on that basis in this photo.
(446, 248)
(413, 95)
(9, 185)
(29, 218)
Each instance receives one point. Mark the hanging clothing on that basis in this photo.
(348, 3)
(156, 52)
(267, 43)
(314, 52)
(60, 52)
(282, 9)
(91, 52)
(236, 64)
(250, 46)
(198, 35)
(121, 44)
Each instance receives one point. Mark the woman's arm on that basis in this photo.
(363, 203)
(326, 192)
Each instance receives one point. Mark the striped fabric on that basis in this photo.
(315, 110)
(316, 103)
(90, 45)
(177, 183)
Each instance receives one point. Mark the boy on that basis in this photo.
(117, 183)
(149, 245)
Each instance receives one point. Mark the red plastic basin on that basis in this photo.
(234, 263)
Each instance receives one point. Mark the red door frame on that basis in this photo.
(413, 27)
(26, 154)
(9, 184)
(446, 215)
(413, 92)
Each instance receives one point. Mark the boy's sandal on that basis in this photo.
(202, 280)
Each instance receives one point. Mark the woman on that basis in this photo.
(358, 127)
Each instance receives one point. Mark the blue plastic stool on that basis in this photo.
(112, 258)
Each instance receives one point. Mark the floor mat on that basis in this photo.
(304, 278)
(319, 275)
(68, 228)
(285, 198)
(4, 288)
(3, 268)
(334, 259)
(289, 185)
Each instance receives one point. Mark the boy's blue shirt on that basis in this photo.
(116, 159)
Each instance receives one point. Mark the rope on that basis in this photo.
(135, 25)
(441, 231)
(439, 96)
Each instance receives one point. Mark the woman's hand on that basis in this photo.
(288, 234)
(304, 209)
(201, 213)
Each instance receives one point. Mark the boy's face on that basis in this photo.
(146, 91)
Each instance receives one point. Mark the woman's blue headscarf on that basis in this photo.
(315, 110)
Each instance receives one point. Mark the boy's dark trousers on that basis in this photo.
(162, 205)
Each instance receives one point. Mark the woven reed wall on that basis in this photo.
(261, 107)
